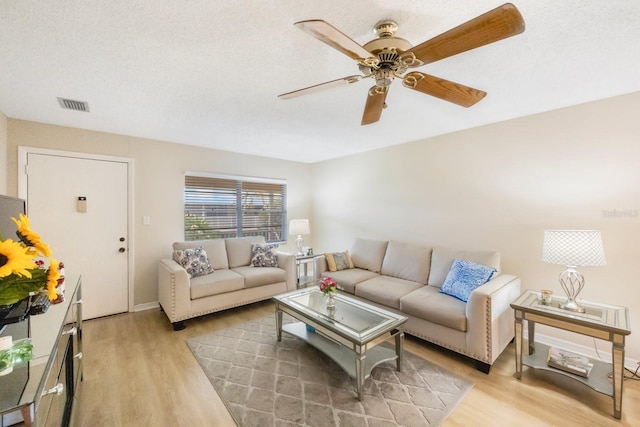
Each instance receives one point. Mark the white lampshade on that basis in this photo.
(299, 226)
(573, 248)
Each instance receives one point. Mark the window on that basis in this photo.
(223, 207)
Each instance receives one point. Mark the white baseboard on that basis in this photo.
(603, 353)
(146, 306)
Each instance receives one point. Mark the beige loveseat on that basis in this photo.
(233, 282)
(407, 277)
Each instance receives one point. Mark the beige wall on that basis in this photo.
(3, 154)
(499, 187)
(159, 183)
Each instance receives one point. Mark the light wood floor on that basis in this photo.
(139, 372)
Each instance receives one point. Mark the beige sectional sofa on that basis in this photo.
(233, 282)
(406, 278)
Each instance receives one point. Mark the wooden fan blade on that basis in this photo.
(321, 86)
(375, 104)
(330, 35)
(444, 89)
(500, 23)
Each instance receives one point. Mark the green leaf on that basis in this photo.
(13, 288)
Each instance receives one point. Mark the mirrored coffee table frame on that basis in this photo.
(350, 335)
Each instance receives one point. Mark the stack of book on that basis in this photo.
(569, 362)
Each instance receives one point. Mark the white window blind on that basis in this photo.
(217, 208)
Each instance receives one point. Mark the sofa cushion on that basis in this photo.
(218, 282)
(216, 251)
(442, 259)
(348, 279)
(195, 261)
(386, 290)
(464, 277)
(407, 261)
(264, 255)
(261, 276)
(239, 249)
(368, 254)
(337, 261)
(429, 304)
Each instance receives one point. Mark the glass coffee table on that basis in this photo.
(350, 335)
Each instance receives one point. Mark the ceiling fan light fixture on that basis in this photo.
(384, 77)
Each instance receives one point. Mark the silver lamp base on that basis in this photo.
(572, 283)
(300, 244)
(572, 306)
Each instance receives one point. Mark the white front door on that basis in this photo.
(91, 240)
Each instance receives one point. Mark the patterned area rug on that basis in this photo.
(289, 383)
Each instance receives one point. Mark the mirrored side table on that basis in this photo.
(302, 270)
(602, 321)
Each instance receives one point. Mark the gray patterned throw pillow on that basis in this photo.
(195, 261)
(264, 256)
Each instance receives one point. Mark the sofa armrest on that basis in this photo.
(319, 267)
(174, 289)
(490, 321)
(287, 262)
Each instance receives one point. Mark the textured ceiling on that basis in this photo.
(208, 73)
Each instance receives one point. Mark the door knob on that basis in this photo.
(121, 250)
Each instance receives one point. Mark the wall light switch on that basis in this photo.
(82, 204)
(146, 220)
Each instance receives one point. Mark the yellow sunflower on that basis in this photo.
(14, 258)
(53, 274)
(29, 237)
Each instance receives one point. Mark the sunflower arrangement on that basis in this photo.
(21, 272)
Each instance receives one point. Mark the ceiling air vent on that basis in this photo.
(70, 104)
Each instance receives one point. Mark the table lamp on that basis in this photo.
(573, 248)
(299, 227)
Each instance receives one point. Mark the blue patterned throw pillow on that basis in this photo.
(464, 277)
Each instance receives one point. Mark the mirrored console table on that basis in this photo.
(43, 391)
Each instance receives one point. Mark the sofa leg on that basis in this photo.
(178, 326)
(483, 367)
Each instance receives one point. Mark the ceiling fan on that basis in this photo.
(388, 57)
